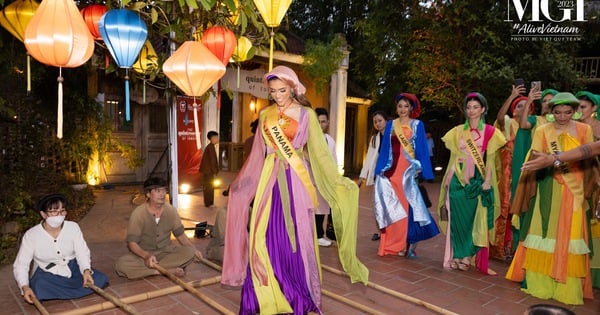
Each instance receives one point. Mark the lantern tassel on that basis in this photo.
(144, 91)
(127, 111)
(28, 73)
(59, 119)
(196, 126)
(238, 76)
(271, 51)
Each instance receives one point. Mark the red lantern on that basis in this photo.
(91, 15)
(194, 69)
(57, 36)
(220, 41)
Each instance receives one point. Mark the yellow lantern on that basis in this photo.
(14, 18)
(194, 69)
(240, 53)
(234, 16)
(242, 48)
(146, 63)
(17, 15)
(272, 11)
(58, 36)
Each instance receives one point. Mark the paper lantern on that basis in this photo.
(220, 41)
(240, 53)
(272, 12)
(146, 63)
(14, 18)
(17, 15)
(194, 69)
(234, 16)
(57, 36)
(91, 15)
(124, 34)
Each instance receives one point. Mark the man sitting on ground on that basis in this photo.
(149, 237)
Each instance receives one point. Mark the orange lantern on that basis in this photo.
(194, 69)
(147, 63)
(15, 18)
(57, 36)
(272, 11)
(220, 41)
(91, 15)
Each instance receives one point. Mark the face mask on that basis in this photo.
(55, 221)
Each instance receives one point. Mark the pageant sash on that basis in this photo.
(406, 144)
(286, 150)
(474, 151)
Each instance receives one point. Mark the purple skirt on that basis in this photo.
(287, 265)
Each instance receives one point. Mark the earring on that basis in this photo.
(292, 94)
(550, 117)
(270, 97)
(577, 116)
(594, 115)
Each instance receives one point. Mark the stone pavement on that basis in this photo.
(462, 292)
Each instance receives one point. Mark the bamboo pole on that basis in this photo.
(356, 305)
(140, 297)
(115, 300)
(39, 306)
(397, 294)
(193, 290)
(211, 264)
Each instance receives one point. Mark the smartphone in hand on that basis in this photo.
(519, 81)
(536, 85)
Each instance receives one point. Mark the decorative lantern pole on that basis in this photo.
(272, 11)
(194, 69)
(57, 36)
(124, 34)
(14, 18)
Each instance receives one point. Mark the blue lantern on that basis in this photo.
(124, 34)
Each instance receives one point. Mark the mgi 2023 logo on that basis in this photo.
(546, 20)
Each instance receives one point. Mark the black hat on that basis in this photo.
(48, 200)
(154, 182)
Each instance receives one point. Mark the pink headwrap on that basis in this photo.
(288, 76)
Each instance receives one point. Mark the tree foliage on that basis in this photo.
(440, 50)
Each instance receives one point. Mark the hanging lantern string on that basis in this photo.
(59, 120)
(196, 126)
(271, 51)
(144, 91)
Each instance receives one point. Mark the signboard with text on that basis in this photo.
(188, 156)
(246, 82)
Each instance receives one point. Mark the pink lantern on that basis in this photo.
(58, 36)
(194, 69)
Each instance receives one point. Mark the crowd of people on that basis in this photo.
(524, 189)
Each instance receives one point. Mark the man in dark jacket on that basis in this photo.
(209, 167)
